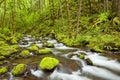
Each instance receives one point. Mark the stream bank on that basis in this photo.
(71, 67)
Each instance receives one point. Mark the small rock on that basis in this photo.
(88, 61)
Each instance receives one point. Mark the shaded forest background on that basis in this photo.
(90, 23)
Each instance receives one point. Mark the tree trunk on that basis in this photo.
(14, 16)
(119, 8)
(4, 15)
(106, 5)
(78, 16)
(68, 18)
(61, 13)
(52, 17)
(90, 7)
(116, 7)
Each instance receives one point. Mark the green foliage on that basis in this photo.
(45, 51)
(19, 69)
(48, 63)
(3, 70)
(25, 53)
(103, 17)
(95, 26)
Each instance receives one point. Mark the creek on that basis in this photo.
(71, 67)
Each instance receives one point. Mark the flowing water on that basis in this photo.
(71, 67)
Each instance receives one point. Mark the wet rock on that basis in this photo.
(45, 51)
(23, 42)
(64, 69)
(3, 70)
(4, 62)
(19, 69)
(48, 45)
(70, 55)
(88, 61)
(25, 54)
(82, 56)
(7, 50)
(69, 64)
(34, 47)
(48, 63)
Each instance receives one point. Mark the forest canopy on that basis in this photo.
(91, 23)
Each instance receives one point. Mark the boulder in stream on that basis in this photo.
(82, 56)
(19, 69)
(25, 53)
(88, 61)
(48, 63)
(45, 51)
(34, 47)
(3, 70)
(48, 45)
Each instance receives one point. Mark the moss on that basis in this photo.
(49, 45)
(4, 62)
(82, 56)
(97, 49)
(13, 41)
(34, 47)
(2, 57)
(25, 53)
(2, 43)
(3, 70)
(45, 51)
(19, 69)
(7, 50)
(48, 63)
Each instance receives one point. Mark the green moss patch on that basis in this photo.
(3, 70)
(49, 45)
(45, 51)
(2, 57)
(25, 53)
(34, 47)
(82, 56)
(48, 63)
(7, 50)
(19, 69)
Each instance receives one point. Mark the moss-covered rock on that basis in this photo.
(49, 45)
(3, 70)
(2, 57)
(19, 69)
(45, 51)
(34, 47)
(82, 56)
(25, 53)
(88, 61)
(48, 63)
(7, 50)
(4, 62)
(2, 43)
